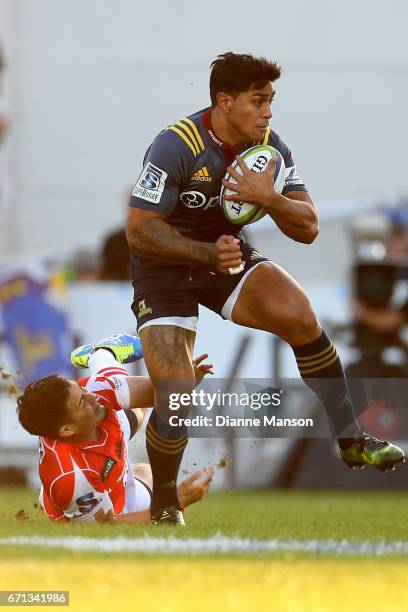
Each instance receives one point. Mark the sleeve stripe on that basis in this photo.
(111, 370)
(189, 134)
(180, 133)
(267, 133)
(196, 132)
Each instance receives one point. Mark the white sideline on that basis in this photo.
(218, 544)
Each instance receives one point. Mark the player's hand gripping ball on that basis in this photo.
(256, 158)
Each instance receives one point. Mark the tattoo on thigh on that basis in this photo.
(169, 346)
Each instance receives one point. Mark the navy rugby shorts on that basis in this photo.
(170, 295)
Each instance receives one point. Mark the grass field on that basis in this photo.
(294, 581)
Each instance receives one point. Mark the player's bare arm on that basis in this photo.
(294, 213)
(141, 390)
(140, 518)
(149, 234)
(190, 491)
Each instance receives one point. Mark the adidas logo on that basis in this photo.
(201, 175)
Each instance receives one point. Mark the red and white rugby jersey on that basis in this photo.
(80, 479)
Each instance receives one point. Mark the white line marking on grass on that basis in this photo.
(217, 544)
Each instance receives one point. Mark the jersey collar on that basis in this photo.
(229, 150)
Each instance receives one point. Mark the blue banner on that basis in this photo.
(35, 326)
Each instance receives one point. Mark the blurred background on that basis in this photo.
(85, 86)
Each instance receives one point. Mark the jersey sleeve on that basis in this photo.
(166, 166)
(51, 510)
(111, 387)
(73, 497)
(292, 180)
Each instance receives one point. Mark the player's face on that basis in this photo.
(85, 411)
(250, 112)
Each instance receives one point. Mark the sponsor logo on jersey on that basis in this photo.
(150, 185)
(86, 503)
(109, 464)
(196, 199)
(201, 175)
(215, 139)
(143, 309)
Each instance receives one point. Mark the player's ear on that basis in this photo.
(65, 431)
(224, 101)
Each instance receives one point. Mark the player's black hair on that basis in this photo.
(233, 73)
(42, 407)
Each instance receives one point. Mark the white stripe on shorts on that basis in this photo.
(185, 322)
(230, 303)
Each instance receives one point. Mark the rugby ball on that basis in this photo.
(256, 158)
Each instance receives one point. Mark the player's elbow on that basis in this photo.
(133, 238)
(141, 227)
(311, 229)
(311, 233)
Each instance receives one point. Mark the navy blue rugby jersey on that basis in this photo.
(182, 173)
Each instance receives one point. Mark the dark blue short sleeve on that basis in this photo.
(292, 180)
(166, 166)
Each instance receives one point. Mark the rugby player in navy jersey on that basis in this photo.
(184, 248)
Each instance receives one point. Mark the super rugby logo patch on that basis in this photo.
(150, 185)
(107, 468)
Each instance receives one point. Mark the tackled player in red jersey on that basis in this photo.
(84, 428)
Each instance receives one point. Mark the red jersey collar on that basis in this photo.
(209, 127)
(229, 149)
(223, 145)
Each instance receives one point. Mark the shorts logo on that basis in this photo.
(255, 255)
(143, 309)
(201, 175)
(150, 185)
(109, 464)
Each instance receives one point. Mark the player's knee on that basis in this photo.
(143, 472)
(141, 469)
(302, 324)
(174, 396)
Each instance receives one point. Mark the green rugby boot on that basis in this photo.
(124, 347)
(369, 451)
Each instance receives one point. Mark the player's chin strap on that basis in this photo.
(238, 269)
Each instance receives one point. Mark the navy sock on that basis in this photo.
(320, 367)
(165, 446)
